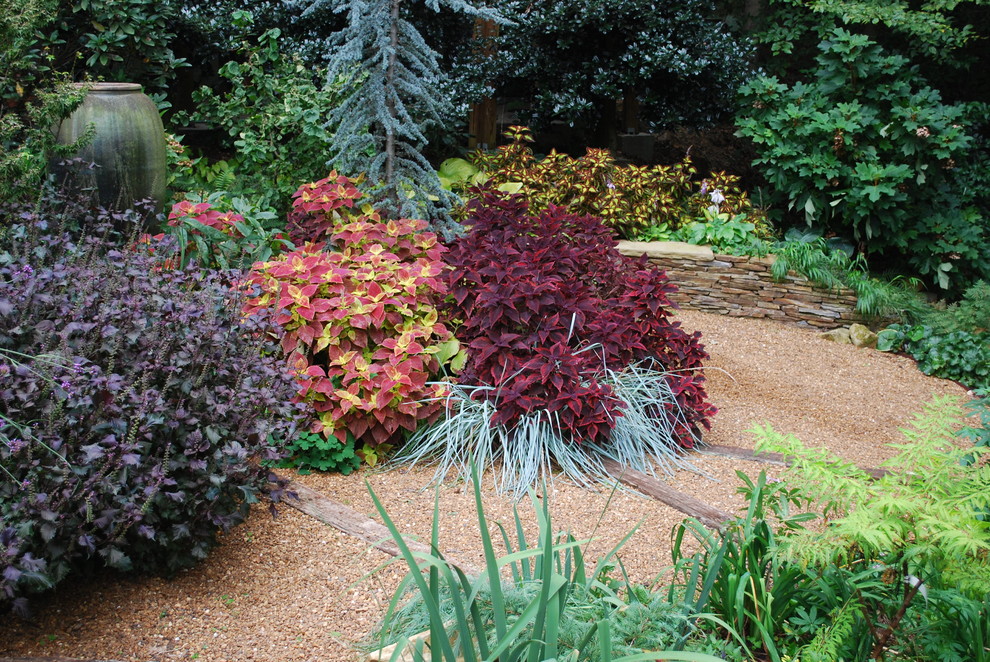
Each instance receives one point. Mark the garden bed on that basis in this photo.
(288, 589)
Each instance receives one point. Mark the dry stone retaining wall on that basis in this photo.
(743, 286)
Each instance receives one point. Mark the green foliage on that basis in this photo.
(275, 116)
(360, 323)
(554, 606)
(224, 239)
(828, 264)
(867, 150)
(727, 236)
(119, 40)
(629, 199)
(737, 570)
(314, 452)
(32, 99)
(931, 28)
(980, 436)
(957, 355)
(971, 313)
(919, 527)
(571, 59)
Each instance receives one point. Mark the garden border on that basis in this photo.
(742, 286)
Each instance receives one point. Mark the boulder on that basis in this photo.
(861, 336)
(840, 335)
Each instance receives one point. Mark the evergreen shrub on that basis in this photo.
(274, 118)
(865, 149)
(135, 405)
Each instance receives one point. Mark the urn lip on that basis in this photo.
(110, 87)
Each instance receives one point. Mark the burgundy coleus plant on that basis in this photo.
(361, 328)
(545, 302)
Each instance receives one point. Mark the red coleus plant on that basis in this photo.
(319, 206)
(361, 325)
(203, 212)
(546, 302)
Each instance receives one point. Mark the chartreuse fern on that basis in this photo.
(920, 523)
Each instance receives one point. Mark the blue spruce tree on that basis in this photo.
(380, 128)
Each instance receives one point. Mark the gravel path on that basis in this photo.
(295, 589)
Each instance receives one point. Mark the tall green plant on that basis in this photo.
(918, 527)
(554, 606)
(736, 574)
(866, 149)
(381, 128)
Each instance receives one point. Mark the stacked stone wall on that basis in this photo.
(743, 286)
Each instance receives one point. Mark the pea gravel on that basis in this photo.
(295, 589)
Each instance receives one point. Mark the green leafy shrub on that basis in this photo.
(553, 606)
(136, 404)
(119, 40)
(727, 236)
(971, 313)
(361, 328)
(309, 451)
(628, 199)
(914, 530)
(33, 98)
(868, 151)
(572, 59)
(275, 116)
(958, 355)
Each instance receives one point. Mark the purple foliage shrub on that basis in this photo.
(136, 406)
(545, 301)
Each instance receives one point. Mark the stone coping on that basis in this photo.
(742, 286)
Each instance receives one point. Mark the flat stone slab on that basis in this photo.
(662, 249)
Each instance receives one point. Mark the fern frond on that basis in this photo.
(829, 479)
(825, 645)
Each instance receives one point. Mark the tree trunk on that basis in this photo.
(482, 121)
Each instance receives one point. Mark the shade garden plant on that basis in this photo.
(135, 402)
(357, 310)
(571, 353)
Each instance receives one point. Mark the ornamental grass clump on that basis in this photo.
(361, 330)
(135, 406)
(541, 601)
(571, 353)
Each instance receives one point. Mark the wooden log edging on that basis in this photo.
(353, 523)
(738, 453)
(708, 515)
